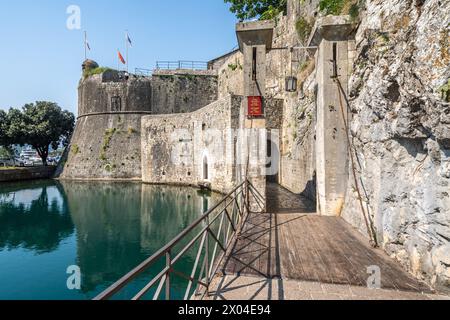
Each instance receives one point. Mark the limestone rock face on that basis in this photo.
(401, 132)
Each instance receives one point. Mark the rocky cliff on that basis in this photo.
(400, 132)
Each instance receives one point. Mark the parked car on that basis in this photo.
(19, 162)
(28, 162)
(7, 162)
(35, 161)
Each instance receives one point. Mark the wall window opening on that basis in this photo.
(205, 168)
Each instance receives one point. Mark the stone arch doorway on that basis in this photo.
(205, 167)
(273, 163)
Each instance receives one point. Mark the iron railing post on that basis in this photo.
(207, 255)
(169, 267)
(247, 195)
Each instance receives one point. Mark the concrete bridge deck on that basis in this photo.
(304, 256)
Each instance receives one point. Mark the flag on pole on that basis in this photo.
(121, 57)
(86, 42)
(129, 40)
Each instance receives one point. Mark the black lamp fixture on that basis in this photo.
(291, 81)
(291, 84)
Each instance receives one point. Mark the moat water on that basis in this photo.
(105, 229)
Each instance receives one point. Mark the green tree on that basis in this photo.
(3, 128)
(264, 9)
(5, 139)
(41, 125)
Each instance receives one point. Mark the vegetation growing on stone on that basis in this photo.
(338, 7)
(131, 131)
(445, 91)
(108, 167)
(235, 66)
(333, 7)
(75, 149)
(90, 72)
(106, 141)
(304, 28)
(354, 11)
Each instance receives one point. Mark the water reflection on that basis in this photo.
(106, 229)
(34, 219)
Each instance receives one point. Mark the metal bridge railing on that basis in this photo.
(177, 65)
(211, 236)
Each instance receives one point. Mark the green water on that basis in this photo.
(106, 229)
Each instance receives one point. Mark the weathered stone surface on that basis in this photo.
(401, 131)
(106, 143)
(175, 147)
(105, 147)
(23, 174)
(182, 91)
(166, 92)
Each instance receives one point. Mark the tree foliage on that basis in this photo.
(41, 125)
(4, 139)
(264, 9)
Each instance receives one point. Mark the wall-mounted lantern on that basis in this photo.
(291, 81)
(291, 84)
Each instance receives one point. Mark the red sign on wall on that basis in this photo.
(255, 107)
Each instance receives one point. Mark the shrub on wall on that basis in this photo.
(338, 7)
(333, 7)
(90, 72)
(445, 91)
(303, 28)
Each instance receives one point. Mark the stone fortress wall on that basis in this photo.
(106, 143)
(177, 147)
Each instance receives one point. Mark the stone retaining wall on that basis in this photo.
(20, 174)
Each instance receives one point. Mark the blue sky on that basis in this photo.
(40, 59)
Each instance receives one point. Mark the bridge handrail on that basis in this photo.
(230, 221)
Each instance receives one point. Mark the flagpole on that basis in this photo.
(85, 45)
(126, 43)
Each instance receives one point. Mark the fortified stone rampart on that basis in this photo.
(106, 141)
(189, 149)
(182, 91)
(105, 146)
(106, 93)
(167, 91)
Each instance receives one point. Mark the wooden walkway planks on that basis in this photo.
(307, 247)
(312, 248)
